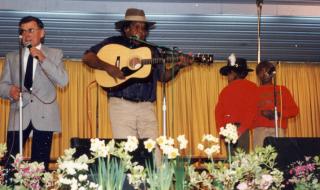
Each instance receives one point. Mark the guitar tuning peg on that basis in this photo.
(211, 59)
(177, 50)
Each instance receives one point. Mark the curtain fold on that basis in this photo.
(190, 98)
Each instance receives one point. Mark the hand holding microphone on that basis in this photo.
(36, 53)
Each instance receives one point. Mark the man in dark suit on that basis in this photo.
(42, 71)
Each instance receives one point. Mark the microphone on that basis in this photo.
(20, 40)
(272, 71)
(134, 37)
(29, 46)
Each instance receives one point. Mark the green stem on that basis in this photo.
(229, 154)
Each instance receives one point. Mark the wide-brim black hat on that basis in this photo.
(137, 15)
(238, 65)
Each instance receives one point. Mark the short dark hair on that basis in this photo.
(31, 18)
(264, 64)
(27, 19)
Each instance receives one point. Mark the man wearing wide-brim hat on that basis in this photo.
(238, 66)
(134, 15)
(131, 105)
(237, 102)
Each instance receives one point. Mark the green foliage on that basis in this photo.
(160, 178)
(110, 173)
(180, 172)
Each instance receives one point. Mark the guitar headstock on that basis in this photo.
(203, 58)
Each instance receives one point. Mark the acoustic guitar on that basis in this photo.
(134, 63)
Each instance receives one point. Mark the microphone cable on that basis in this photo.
(28, 45)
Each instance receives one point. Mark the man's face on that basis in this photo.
(31, 33)
(232, 76)
(263, 76)
(138, 29)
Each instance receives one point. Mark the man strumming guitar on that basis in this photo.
(131, 107)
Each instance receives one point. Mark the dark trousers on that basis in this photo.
(243, 143)
(40, 148)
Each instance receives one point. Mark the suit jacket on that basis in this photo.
(40, 106)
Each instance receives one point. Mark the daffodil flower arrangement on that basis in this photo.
(110, 163)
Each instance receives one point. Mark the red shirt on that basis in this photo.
(237, 104)
(286, 106)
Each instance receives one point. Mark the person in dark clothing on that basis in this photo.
(132, 92)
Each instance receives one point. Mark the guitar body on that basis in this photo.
(126, 59)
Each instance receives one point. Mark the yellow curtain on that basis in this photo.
(191, 98)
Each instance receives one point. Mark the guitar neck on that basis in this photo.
(199, 58)
(160, 60)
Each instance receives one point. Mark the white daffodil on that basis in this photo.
(183, 142)
(83, 177)
(166, 149)
(149, 144)
(173, 153)
(210, 138)
(131, 144)
(74, 184)
(161, 140)
(200, 147)
(209, 152)
(98, 148)
(230, 133)
(111, 146)
(215, 148)
(65, 181)
(169, 141)
(93, 185)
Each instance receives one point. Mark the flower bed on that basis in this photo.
(110, 164)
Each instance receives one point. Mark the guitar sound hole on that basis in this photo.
(135, 63)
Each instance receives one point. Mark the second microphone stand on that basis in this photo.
(171, 52)
(275, 103)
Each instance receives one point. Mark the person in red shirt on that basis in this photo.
(287, 108)
(237, 101)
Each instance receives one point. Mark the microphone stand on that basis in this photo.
(170, 52)
(275, 103)
(164, 104)
(20, 96)
(259, 8)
